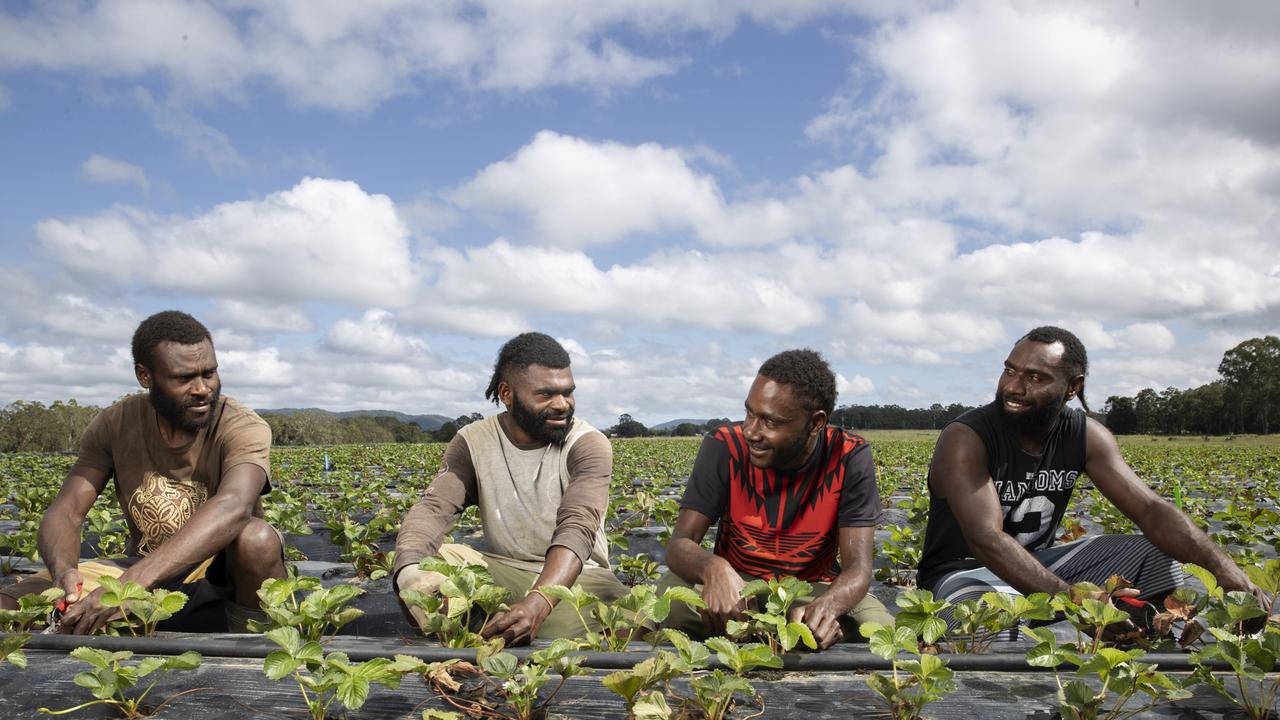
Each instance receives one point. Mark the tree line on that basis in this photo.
(1245, 399)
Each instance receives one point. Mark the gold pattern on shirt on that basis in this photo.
(161, 506)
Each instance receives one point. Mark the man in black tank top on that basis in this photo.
(1001, 477)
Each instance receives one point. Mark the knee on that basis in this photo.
(257, 543)
(8, 603)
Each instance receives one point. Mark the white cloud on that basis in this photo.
(1147, 337)
(199, 140)
(346, 57)
(581, 193)
(36, 308)
(374, 334)
(100, 168)
(667, 288)
(850, 390)
(322, 239)
(252, 318)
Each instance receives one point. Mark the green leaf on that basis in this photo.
(149, 665)
(502, 665)
(651, 706)
(94, 657)
(353, 690)
(286, 637)
(188, 660)
(279, 664)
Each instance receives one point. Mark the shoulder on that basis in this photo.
(126, 414)
(239, 418)
(488, 424)
(586, 441)
(845, 441)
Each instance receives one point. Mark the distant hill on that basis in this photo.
(671, 424)
(426, 422)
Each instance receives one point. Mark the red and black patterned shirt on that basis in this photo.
(774, 523)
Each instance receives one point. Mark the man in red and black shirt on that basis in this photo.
(792, 497)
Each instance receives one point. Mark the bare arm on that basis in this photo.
(847, 590)
(1167, 527)
(959, 474)
(212, 527)
(59, 534)
(721, 584)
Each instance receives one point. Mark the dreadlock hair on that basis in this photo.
(167, 326)
(521, 351)
(1074, 358)
(809, 376)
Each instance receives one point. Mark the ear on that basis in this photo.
(817, 421)
(504, 393)
(1075, 386)
(141, 372)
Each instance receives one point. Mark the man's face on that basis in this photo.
(541, 402)
(1034, 385)
(780, 432)
(184, 384)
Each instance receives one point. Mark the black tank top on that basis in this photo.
(1033, 490)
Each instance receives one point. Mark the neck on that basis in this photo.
(173, 436)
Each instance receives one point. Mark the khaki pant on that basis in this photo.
(688, 620)
(563, 620)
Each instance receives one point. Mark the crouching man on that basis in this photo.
(540, 477)
(793, 496)
(190, 467)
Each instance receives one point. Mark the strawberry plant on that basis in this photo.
(913, 683)
(1118, 672)
(772, 623)
(322, 678)
(300, 602)
(463, 603)
(112, 676)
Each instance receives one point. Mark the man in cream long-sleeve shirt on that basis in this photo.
(541, 480)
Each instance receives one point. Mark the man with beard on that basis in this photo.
(793, 497)
(189, 467)
(540, 478)
(1001, 477)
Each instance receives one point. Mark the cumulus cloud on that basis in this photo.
(100, 168)
(35, 309)
(322, 239)
(247, 317)
(374, 334)
(581, 193)
(346, 57)
(666, 288)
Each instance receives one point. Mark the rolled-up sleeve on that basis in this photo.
(452, 490)
(586, 496)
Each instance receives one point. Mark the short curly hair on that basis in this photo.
(167, 326)
(809, 376)
(521, 351)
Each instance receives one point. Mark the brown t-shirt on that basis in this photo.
(160, 487)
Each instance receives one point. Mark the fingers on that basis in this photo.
(514, 627)
(71, 584)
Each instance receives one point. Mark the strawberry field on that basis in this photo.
(336, 644)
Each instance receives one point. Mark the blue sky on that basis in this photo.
(364, 200)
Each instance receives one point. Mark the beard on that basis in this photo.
(175, 412)
(535, 424)
(1036, 418)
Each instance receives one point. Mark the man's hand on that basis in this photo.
(411, 577)
(518, 625)
(823, 620)
(87, 615)
(722, 592)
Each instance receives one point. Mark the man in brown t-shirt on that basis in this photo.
(541, 480)
(190, 467)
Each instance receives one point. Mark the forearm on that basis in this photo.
(59, 540)
(1012, 563)
(211, 528)
(1174, 533)
(847, 590)
(691, 561)
(562, 567)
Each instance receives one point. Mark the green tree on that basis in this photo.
(628, 427)
(1122, 418)
(1252, 372)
